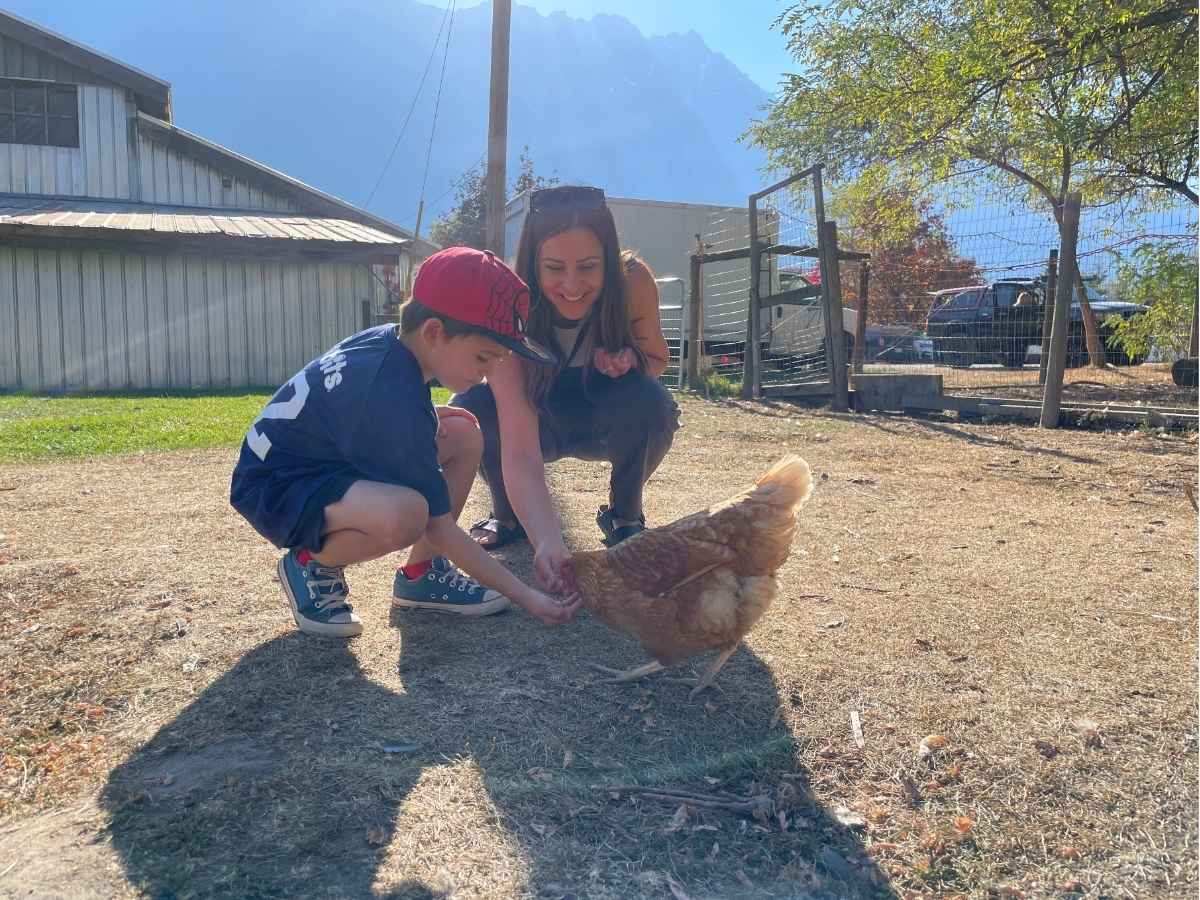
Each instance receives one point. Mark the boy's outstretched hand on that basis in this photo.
(548, 610)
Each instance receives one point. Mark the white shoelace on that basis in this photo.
(455, 579)
(327, 584)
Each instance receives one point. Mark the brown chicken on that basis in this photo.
(700, 583)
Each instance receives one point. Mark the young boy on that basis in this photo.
(351, 461)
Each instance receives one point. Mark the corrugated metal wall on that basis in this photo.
(90, 320)
(112, 161)
(99, 167)
(19, 60)
(170, 177)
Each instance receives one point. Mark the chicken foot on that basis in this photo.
(634, 674)
(710, 673)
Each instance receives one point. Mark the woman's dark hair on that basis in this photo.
(553, 211)
(414, 314)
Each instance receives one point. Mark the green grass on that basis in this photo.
(74, 426)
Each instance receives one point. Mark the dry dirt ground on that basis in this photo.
(1008, 614)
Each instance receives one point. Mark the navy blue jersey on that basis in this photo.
(361, 411)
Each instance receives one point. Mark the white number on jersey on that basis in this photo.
(289, 409)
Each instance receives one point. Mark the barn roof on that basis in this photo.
(88, 219)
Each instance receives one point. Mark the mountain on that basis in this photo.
(320, 91)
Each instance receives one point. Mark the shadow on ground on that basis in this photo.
(286, 777)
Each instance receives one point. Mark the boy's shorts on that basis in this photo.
(309, 531)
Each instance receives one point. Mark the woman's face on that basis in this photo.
(571, 271)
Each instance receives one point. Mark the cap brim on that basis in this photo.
(527, 348)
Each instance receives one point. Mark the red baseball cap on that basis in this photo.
(475, 288)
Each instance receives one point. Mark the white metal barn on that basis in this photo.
(134, 254)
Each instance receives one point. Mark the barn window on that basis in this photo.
(38, 112)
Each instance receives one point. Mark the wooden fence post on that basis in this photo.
(695, 317)
(1048, 312)
(750, 362)
(1052, 398)
(860, 325)
(835, 330)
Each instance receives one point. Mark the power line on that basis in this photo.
(413, 106)
(437, 102)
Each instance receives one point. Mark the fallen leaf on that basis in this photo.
(743, 879)
(1090, 733)
(834, 623)
(377, 836)
(1070, 853)
(676, 888)
(568, 758)
(878, 814)
(932, 743)
(1045, 748)
(963, 825)
(849, 817)
(783, 820)
(678, 820)
(1073, 886)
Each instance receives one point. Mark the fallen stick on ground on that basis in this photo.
(741, 804)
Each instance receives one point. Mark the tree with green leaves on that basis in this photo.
(1163, 278)
(466, 224)
(1046, 95)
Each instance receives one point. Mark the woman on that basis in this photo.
(596, 309)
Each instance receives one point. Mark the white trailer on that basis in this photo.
(664, 235)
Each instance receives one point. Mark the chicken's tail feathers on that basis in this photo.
(787, 483)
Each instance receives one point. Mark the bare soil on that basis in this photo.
(1008, 614)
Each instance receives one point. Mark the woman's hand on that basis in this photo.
(453, 412)
(552, 567)
(614, 365)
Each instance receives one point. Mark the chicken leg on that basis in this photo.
(710, 673)
(634, 674)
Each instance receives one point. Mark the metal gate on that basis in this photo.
(793, 343)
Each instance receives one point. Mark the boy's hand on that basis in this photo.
(614, 365)
(452, 412)
(547, 610)
(552, 566)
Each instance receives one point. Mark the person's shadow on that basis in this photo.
(286, 777)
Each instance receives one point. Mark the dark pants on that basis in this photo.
(629, 421)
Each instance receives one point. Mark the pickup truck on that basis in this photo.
(983, 324)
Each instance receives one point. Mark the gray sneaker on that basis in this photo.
(317, 595)
(445, 589)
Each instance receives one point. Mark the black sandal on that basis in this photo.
(504, 534)
(613, 535)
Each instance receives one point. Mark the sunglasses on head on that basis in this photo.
(567, 197)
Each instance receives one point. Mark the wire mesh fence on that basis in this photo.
(958, 285)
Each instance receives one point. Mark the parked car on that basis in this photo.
(984, 324)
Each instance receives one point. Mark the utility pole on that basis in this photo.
(498, 125)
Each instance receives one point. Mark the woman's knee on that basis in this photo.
(480, 401)
(646, 402)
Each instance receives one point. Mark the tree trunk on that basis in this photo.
(1095, 347)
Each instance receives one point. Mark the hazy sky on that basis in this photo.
(741, 29)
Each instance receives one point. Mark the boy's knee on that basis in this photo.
(461, 439)
(405, 524)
